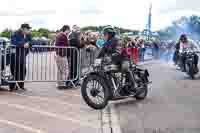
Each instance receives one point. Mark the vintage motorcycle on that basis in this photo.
(190, 68)
(106, 82)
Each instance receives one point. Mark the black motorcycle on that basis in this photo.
(190, 63)
(106, 82)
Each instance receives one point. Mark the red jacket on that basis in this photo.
(61, 41)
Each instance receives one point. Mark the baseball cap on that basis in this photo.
(25, 26)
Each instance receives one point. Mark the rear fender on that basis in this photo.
(144, 71)
(144, 74)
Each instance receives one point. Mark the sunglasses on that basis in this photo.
(183, 39)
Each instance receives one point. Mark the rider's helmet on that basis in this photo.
(110, 31)
(183, 38)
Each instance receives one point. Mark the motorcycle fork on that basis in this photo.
(117, 86)
(132, 78)
(114, 85)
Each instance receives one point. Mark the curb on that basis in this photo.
(114, 120)
(105, 121)
(110, 121)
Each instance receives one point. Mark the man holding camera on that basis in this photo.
(21, 40)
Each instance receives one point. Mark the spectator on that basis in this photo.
(91, 48)
(22, 41)
(75, 39)
(82, 43)
(142, 50)
(61, 56)
(100, 41)
(156, 50)
(129, 43)
(136, 41)
(169, 51)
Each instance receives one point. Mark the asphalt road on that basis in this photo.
(172, 106)
(44, 109)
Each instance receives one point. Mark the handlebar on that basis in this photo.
(198, 52)
(194, 52)
(191, 52)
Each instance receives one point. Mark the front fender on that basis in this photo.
(189, 62)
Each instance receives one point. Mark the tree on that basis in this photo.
(6, 33)
(44, 32)
(35, 33)
(100, 28)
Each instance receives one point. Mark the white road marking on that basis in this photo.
(106, 123)
(114, 120)
(51, 100)
(21, 126)
(69, 94)
(53, 115)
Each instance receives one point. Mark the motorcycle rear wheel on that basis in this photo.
(143, 94)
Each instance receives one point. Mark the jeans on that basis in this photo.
(63, 70)
(18, 69)
(124, 66)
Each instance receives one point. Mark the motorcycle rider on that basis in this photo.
(183, 44)
(113, 49)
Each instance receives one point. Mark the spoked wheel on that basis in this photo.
(95, 92)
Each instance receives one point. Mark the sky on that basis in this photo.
(131, 14)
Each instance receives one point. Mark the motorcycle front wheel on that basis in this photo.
(190, 69)
(95, 92)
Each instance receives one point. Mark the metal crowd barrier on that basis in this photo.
(39, 64)
(46, 63)
(87, 58)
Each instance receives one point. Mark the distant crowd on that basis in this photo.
(73, 37)
(157, 49)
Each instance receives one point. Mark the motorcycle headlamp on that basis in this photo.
(97, 62)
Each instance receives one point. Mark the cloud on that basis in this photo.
(124, 13)
(26, 13)
(39, 13)
(180, 5)
(134, 14)
(90, 11)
